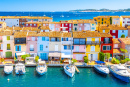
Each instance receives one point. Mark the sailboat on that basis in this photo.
(70, 68)
(41, 68)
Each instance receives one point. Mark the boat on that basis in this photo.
(102, 69)
(20, 68)
(8, 68)
(120, 72)
(69, 70)
(41, 68)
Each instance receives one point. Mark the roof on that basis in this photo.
(1, 22)
(30, 29)
(8, 32)
(45, 28)
(125, 40)
(82, 21)
(20, 34)
(115, 41)
(54, 22)
(117, 27)
(54, 34)
(66, 34)
(115, 16)
(116, 51)
(102, 17)
(17, 28)
(46, 34)
(125, 16)
(105, 35)
(32, 34)
(28, 17)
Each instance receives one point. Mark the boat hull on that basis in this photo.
(123, 78)
(100, 71)
(7, 72)
(19, 73)
(41, 73)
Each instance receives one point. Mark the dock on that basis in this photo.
(77, 69)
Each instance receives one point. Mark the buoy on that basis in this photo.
(8, 79)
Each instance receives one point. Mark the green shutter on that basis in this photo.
(104, 40)
(8, 54)
(8, 37)
(8, 46)
(109, 40)
(110, 47)
(104, 47)
(110, 55)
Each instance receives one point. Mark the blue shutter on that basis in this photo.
(19, 47)
(67, 39)
(62, 39)
(72, 47)
(15, 48)
(65, 47)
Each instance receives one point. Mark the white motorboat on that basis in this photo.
(8, 68)
(41, 68)
(102, 69)
(20, 68)
(120, 72)
(69, 70)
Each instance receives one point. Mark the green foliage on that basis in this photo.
(122, 61)
(101, 56)
(86, 60)
(36, 58)
(123, 50)
(122, 36)
(110, 20)
(2, 60)
(24, 56)
(15, 58)
(121, 57)
(73, 61)
(107, 55)
(115, 61)
(61, 61)
(127, 59)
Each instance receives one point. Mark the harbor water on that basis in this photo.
(55, 77)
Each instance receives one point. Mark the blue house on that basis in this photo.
(122, 32)
(43, 45)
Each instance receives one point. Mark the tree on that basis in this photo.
(101, 56)
(122, 36)
(73, 61)
(110, 20)
(36, 58)
(124, 51)
(107, 56)
(24, 56)
(86, 60)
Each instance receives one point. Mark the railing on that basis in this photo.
(92, 42)
(79, 43)
(106, 42)
(31, 49)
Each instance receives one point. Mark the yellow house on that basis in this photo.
(93, 41)
(104, 29)
(102, 20)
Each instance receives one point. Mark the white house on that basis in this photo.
(125, 20)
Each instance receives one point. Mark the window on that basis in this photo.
(30, 24)
(77, 48)
(92, 48)
(123, 31)
(81, 24)
(53, 39)
(18, 48)
(70, 25)
(128, 21)
(8, 37)
(41, 47)
(34, 24)
(114, 36)
(82, 41)
(113, 31)
(8, 46)
(62, 25)
(68, 47)
(103, 31)
(106, 47)
(66, 24)
(75, 24)
(26, 24)
(33, 38)
(43, 24)
(46, 46)
(75, 29)
(64, 39)
(76, 41)
(57, 28)
(45, 19)
(92, 24)
(69, 29)
(80, 29)
(43, 38)
(31, 47)
(65, 47)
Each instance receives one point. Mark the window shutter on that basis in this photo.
(65, 47)
(15, 48)
(104, 40)
(110, 47)
(67, 39)
(62, 39)
(109, 40)
(72, 47)
(104, 47)
(19, 47)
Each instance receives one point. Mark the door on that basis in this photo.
(91, 57)
(56, 47)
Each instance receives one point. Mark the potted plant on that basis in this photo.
(36, 59)
(2, 60)
(86, 60)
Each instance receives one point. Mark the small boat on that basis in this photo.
(62, 16)
(20, 68)
(41, 68)
(69, 70)
(102, 69)
(120, 72)
(8, 68)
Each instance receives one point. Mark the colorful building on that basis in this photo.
(100, 20)
(107, 43)
(93, 42)
(124, 21)
(55, 46)
(1, 44)
(115, 20)
(55, 26)
(8, 44)
(43, 45)
(66, 26)
(3, 25)
(66, 47)
(79, 43)
(20, 44)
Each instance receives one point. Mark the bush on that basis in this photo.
(73, 61)
(115, 61)
(127, 59)
(36, 58)
(86, 60)
(2, 60)
(122, 36)
(101, 56)
(24, 56)
(122, 61)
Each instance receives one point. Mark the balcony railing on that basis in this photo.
(92, 42)
(79, 43)
(31, 49)
(106, 42)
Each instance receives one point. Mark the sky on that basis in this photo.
(61, 5)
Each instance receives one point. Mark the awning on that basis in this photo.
(54, 54)
(22, 53)
(63, 55)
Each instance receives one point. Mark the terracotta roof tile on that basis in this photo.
(32, 34)
(43, 34)
(125, 40)
(115, 41)
(45, 28)
(20, 34)
(66, 34)
(105, 35)
(116, 51)
(54, 34)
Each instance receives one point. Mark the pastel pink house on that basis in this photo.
(31, 46)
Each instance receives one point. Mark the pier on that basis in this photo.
(77, 69)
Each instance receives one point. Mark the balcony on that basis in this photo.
(79, 43)
(31, 49)
(106, 42)
(93, 42)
